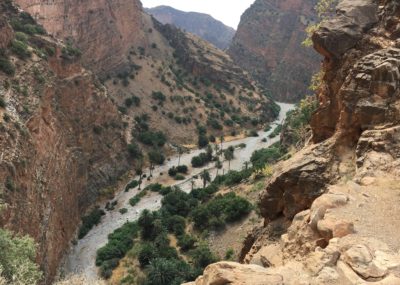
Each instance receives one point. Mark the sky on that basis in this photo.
(227, 11)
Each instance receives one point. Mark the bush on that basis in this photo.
(176, 224)
(276, 132)
(253, 133)
(186, 242)
(119, 242)
(162, 271)
(20, 49)
(123, 211)
(202, 256)
(152, 138)
(202, 141)
(223, 208)
(156, 157)
(134, 151)
(136, 199)
(178, 202)
(179, 169)
(132, 184)
(3, 103)
(17, 260)
(179, 177)
(159, 96)
(265, 156)
(89, 221)
(201, 160)
(6, 66)
(69, 52)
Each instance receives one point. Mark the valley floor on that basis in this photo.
(81, 258)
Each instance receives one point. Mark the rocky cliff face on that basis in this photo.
(268, 45)
(348, 234)
(104, 30)
(202, 25)
(61, 141)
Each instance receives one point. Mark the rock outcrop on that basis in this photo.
(268, 45)
(202, 25)
(341, 191)
(61, 140)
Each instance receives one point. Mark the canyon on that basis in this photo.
(82, 81)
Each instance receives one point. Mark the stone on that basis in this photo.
(361, 260)
(223, 273)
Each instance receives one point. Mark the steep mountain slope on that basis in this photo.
(268, 45)
(144, 60)
(341, 192)
(202, 25)
(61, 138)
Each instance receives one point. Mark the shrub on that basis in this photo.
(156, 157)
(89, 221)
(182, 169)
(17, 260)
(69, 52)
(201, 160)
(186, 242)
(202, 256)
(119, 242)
(276, 131)
(123, 211)
(162, 271)
(20, 49)
(152, 138)
(178, 202)
(253, 133)
(176, 224)
(132, 184)
(6, 66)
(159, 96)
(3, 103)
(265, 156)
(134, 151)
(221, 209)
(202, 141)
(173, 171)
(136, 199)
(179, 177)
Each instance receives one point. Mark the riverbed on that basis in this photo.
(80, 259)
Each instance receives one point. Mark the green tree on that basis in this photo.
(17, 259)
(229, 155)
(205, 176)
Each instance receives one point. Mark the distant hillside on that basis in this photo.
(202, 25)
(268, 45)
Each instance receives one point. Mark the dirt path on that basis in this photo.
(81, 258)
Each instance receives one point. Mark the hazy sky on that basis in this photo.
(227, 11)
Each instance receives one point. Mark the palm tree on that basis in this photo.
(139, 170)
(218, 165)
(180, 152)
(221, 140)
(228, 153)
(206, 178)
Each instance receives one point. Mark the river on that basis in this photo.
(80, 260)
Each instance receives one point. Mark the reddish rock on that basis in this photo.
(268, 45)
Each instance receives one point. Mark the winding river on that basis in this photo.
(80, 259)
